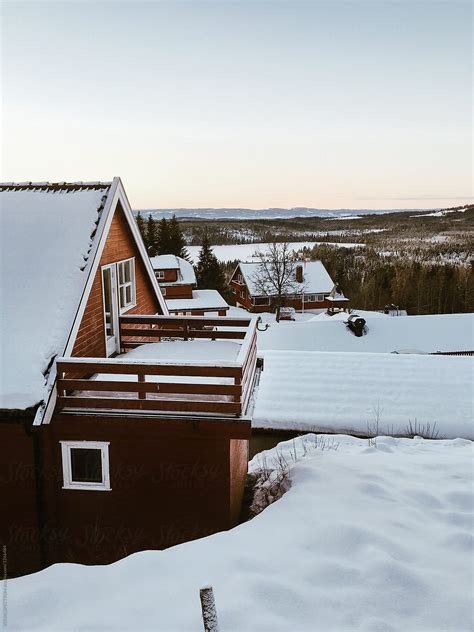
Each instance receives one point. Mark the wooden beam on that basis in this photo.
(148, 387)
(92, 403)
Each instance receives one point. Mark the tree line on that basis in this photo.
(165, 237)
(371, 281)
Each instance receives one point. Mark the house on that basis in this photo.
(177, 281)
(313, 289)
(122, 427)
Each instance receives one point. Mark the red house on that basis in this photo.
(313, 289)
(122, 428)
(177, 279)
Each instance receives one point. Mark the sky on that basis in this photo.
(242, 104)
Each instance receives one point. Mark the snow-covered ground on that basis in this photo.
(366, 539)
(246, 252)
(352, 392)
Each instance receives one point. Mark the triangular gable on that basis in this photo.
(116, 198)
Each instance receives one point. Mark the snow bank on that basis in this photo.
(366, 539)
(45, 240)
(344, 392)
(426, 334)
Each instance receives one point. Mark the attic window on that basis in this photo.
(126, 283)
(85, 465)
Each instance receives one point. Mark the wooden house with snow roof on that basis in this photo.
(177, 281)
(312, 289)
(122, 427)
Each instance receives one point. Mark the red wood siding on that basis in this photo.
(169, 275)
(19, 520)
(178, 291)
(171, 482)
(120, 245)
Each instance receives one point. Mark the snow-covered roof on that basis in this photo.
(316, 279)
(349, 392)
(46, 236)
(185, 269)
(202, 299)
(385, 334)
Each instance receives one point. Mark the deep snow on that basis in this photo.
(367, 539)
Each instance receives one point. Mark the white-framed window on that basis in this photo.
(163, 291)
(160, 274)
(86, 465)
(126, 284)
(310, 298)
(320, 297)
(242, 294)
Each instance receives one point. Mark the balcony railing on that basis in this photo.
(121, 384)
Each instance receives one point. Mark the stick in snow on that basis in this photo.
(208, 606)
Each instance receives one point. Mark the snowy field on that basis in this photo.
(246, 252)
(367, 539)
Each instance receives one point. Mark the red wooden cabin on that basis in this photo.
(177, 281)
(313, 289)
(122, 428)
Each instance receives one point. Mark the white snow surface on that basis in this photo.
(367, 539)
(172, 262)
(316, 279)
(346, 392)
(202, 299)
(45, 240)
(247, 252)
(186, 352)
(425, 334)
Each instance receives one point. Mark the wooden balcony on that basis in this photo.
(194, 386)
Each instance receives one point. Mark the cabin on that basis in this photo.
(177, 280)
(123, 427)
(312, 289)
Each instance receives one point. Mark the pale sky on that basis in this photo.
(243, 104)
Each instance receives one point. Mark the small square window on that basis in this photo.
(85, 465)
(160, 274)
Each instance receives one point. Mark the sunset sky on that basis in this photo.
(243, 104)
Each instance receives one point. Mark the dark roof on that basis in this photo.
(54, 186)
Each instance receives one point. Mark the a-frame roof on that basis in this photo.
(52, 237)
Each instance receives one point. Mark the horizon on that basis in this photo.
(327, 105)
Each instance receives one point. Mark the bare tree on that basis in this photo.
(276, 274)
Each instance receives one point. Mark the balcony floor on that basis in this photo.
(186, 351)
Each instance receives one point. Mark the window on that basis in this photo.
(261, 300)
(126, 284)
(163, 291)
(85, 465)
(160, 274)
(310, 298)
(240, 279)
(242, 294)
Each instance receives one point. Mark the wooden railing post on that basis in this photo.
(141, 378)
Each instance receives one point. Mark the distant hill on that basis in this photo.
(269, 213)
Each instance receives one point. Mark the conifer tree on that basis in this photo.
(163, 238)
(177, 241)
(141, 226)
(209, 273)
(150, 241)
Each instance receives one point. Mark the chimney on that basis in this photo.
(299, 273)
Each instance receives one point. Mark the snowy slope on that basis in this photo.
(366, 540)
(428, 334)
(344, 392)
(45, 240)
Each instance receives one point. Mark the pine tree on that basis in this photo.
(209, 273)
(150, 241)
(141, 226)
(163, 238)
(177, 241)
